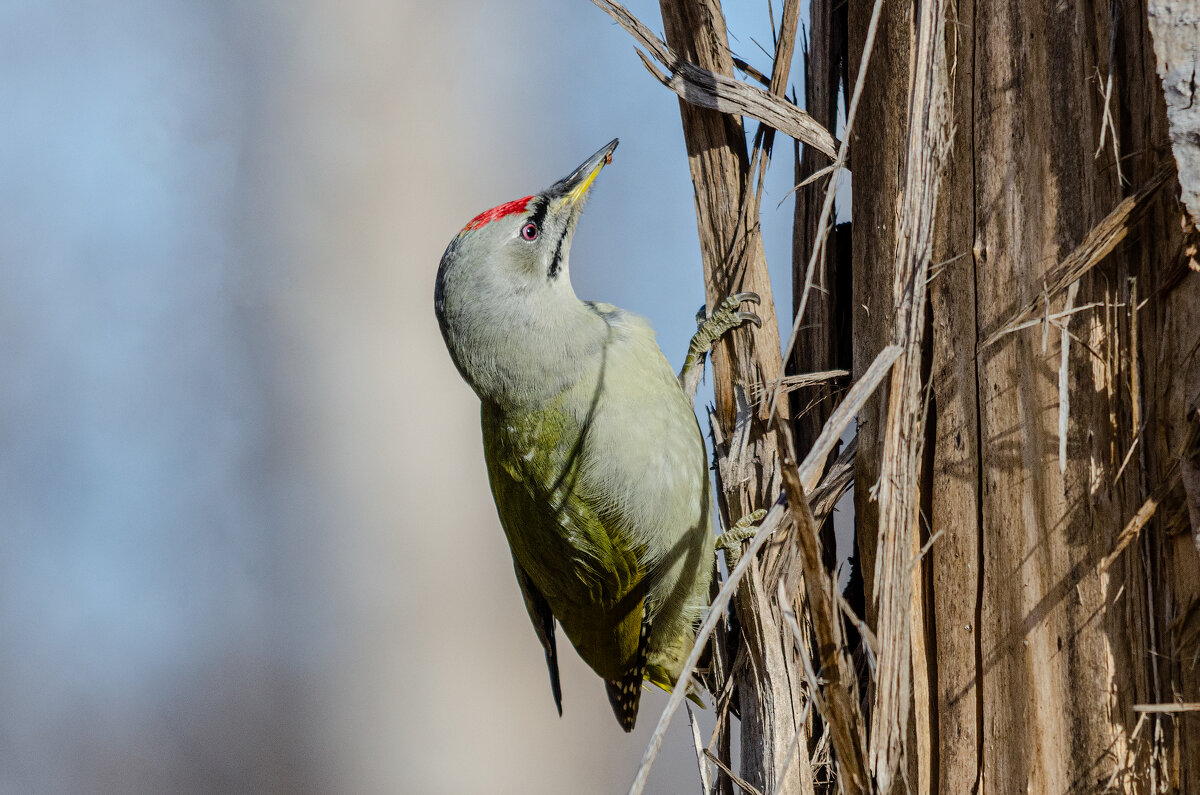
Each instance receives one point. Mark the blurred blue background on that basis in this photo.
(246, 538)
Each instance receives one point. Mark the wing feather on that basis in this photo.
(543, 625)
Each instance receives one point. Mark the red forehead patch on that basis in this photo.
(486, 217)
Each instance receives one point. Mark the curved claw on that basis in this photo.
(749, 297)
(748, 317)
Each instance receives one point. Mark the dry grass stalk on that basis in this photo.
(746, 786)
(792, 382)
(929, 135)
(700, 758)
(1098, 244)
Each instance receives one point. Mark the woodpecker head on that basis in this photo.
(503, 297)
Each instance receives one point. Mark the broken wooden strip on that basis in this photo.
(746, 786)
(814, 463)
(824, 497)
(717, 92)
(1175, 474)
(796, 743)
(634, 27)
(1097, 245)
(710, 90)
(704, 783)
(752, 72)
(838, 693)
(1132, 529)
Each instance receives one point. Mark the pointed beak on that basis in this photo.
(570, 191)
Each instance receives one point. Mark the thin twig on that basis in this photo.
(791, 383)
(1131, 531)
(734, 777)
(1184, 707)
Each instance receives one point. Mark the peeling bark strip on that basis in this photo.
(717, 91)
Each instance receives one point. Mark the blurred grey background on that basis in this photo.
(246, 538)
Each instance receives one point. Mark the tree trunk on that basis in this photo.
(1038, 652)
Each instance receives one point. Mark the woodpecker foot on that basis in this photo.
(724, 319)
(731, 540)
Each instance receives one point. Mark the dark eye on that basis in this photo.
(529, 231)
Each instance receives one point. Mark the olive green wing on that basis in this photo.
(543, 625)
(591, 580)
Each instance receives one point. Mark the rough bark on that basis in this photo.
(1041, 653)
(876, 146)
(954, 485)
(1175, 27)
